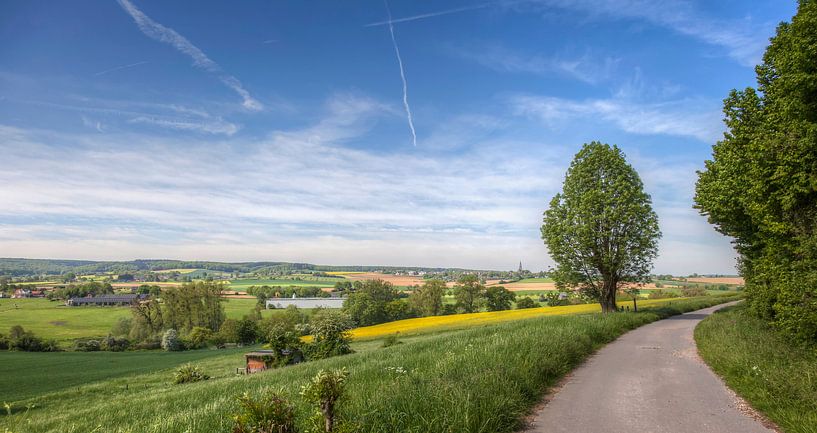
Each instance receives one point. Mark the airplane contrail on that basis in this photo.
(119, 67)
(402, 76)
(429, 15)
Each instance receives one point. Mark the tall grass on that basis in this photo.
(775, 376)
(483, 379)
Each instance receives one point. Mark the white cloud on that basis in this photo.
(743, 40)
(688, 117)
(300, 195)
(169, 36)
(588, 67)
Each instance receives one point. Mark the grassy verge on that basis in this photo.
(776, 377)
(483, 379)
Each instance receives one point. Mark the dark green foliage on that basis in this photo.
(367, 305)
(193, 304)
(526, 302)
(775, 374)
(189, 373)
(498, 298)
(760, 187)
(601, 229)
(285, 343)
(428, 298)
(554, 299)
(469, 293)
(93, 288)
(269, 413)
(330, 334)
(245, 331)
(25, 341)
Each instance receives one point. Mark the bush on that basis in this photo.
(449, 309)
(26, 341)
(498, 298)
(171, 342)
(330, 334)
(188, 373)
(525, 302)
(269, 413)
(199, 337)
(86, 346)
(286, 344)
(324, 390)
(244, 331)
(661, 294)
(391, 340)
(148, 345)
(692, 291)
(122, 327)
(113, 344)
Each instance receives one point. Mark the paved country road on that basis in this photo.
(650, 380)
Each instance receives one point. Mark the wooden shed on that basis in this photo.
(261, 360)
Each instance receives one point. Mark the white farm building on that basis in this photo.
(305, 302)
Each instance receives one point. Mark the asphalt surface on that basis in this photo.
(650, 380)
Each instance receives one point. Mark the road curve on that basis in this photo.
(650, 380)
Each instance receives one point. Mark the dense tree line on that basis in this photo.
(760, 187)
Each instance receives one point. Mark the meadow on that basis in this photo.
(53, 320)
(438, 382)
(244, 283)
(776, 376)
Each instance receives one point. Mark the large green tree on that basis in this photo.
(601, 229)
(428, 298)
(760, 187)
(469, 293)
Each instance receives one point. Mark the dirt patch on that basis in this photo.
(397, 280)
(737, 281)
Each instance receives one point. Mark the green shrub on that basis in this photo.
(188, 373)
(330, 334)
(324, 390)
(286, 344)
(113, 344)
(525, 302)
(270, 413)
(391, 340)
(87, 346)
(692, 291)
(661, 294)
(199, 337)
(170, 341)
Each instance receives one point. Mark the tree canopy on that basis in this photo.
(601, 229)
(760, 187)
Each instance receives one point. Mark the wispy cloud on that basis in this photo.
(428, 15)
(690, 118)
(402, 76)
(588, 67)
(169, 36)
(743, 40)
(119, 68)
(162, 115)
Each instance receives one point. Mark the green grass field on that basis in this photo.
(773, 374)
(243, 284)
(53, 320)
(453, 381)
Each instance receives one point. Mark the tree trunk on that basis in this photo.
(608, 296)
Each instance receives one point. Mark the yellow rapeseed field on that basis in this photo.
(456, 321)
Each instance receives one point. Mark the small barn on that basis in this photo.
(261, 360)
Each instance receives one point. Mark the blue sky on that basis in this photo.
(281, 131)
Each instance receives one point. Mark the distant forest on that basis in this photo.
(17, 267)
